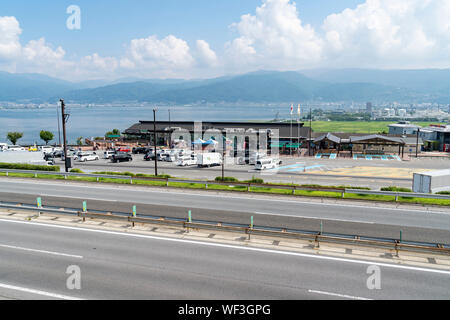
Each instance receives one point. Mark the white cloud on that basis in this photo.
(390, 34)
(163, 57)
(206, 56)
(375, 34)
(9, 38)
(275, 37)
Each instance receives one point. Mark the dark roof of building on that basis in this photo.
(375, 137)
(329, 136)
(285, 129)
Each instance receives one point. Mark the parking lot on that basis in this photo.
(305, 170)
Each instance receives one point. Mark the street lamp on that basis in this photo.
(154, 137)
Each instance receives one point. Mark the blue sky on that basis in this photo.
(207, 38)
(107, 25)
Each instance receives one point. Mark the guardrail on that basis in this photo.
(314, 236)
(293, 188)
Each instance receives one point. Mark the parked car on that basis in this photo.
(124, 149)
(267, 163)
(87, 156)
(121, 157)
(108, 154)
(140, 150)
(149, 156)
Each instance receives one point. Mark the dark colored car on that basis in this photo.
(149, 156)
(121, 157)
(140, 150)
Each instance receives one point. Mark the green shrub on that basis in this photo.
(75, 170)
(23, 166)
(443, 192)
(255, 180)
(226, 179)
(396, 189)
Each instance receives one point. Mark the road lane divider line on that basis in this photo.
(227, 246)
(39, 292)
(41, 251)
(338, 295)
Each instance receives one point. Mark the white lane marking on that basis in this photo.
(219, 245)
(39, 292)
(41, 251)
(120, 188)
(338, 295)
(313, 218)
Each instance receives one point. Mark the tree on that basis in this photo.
(46, 136)
(114, 132)
(80, 141)
(14, 136)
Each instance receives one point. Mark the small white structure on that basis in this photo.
(431, 182)
(209, 159)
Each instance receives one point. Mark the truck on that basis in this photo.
(209, 159)
(432, 181)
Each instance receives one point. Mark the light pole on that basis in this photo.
(65, 117)
(155, 143)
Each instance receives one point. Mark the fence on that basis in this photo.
(314, 236)
(293, 188)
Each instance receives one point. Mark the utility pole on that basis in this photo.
(224, 145)
(154, 137)
(58, 121)
(417, 143)
(310, 129)
(65, 117)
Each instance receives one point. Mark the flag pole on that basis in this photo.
(290, 147)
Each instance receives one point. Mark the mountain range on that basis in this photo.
(332, 85)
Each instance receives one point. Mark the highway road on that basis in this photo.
(356, 218)
(113, 265)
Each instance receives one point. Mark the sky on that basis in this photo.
(208, 38)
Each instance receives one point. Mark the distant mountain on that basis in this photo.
(256, 87)
(31, 87)
(434, 81)
(358, 85)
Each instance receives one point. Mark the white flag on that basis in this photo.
(292, 109)
(298, 111)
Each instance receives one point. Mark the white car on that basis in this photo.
(87, 156)
(108, 154)
(267, 163)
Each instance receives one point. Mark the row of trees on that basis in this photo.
(47, 136)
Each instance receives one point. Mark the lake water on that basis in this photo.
(95, 121)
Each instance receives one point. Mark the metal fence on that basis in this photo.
(189, 223)
(248, 186)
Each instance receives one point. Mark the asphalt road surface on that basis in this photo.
(364, 218)
(111, 265)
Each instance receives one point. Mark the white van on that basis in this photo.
(87, 156)
(16, 148)
(267, 163)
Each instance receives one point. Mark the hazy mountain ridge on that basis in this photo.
(357, 85)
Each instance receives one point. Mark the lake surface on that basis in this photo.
(96, 121)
